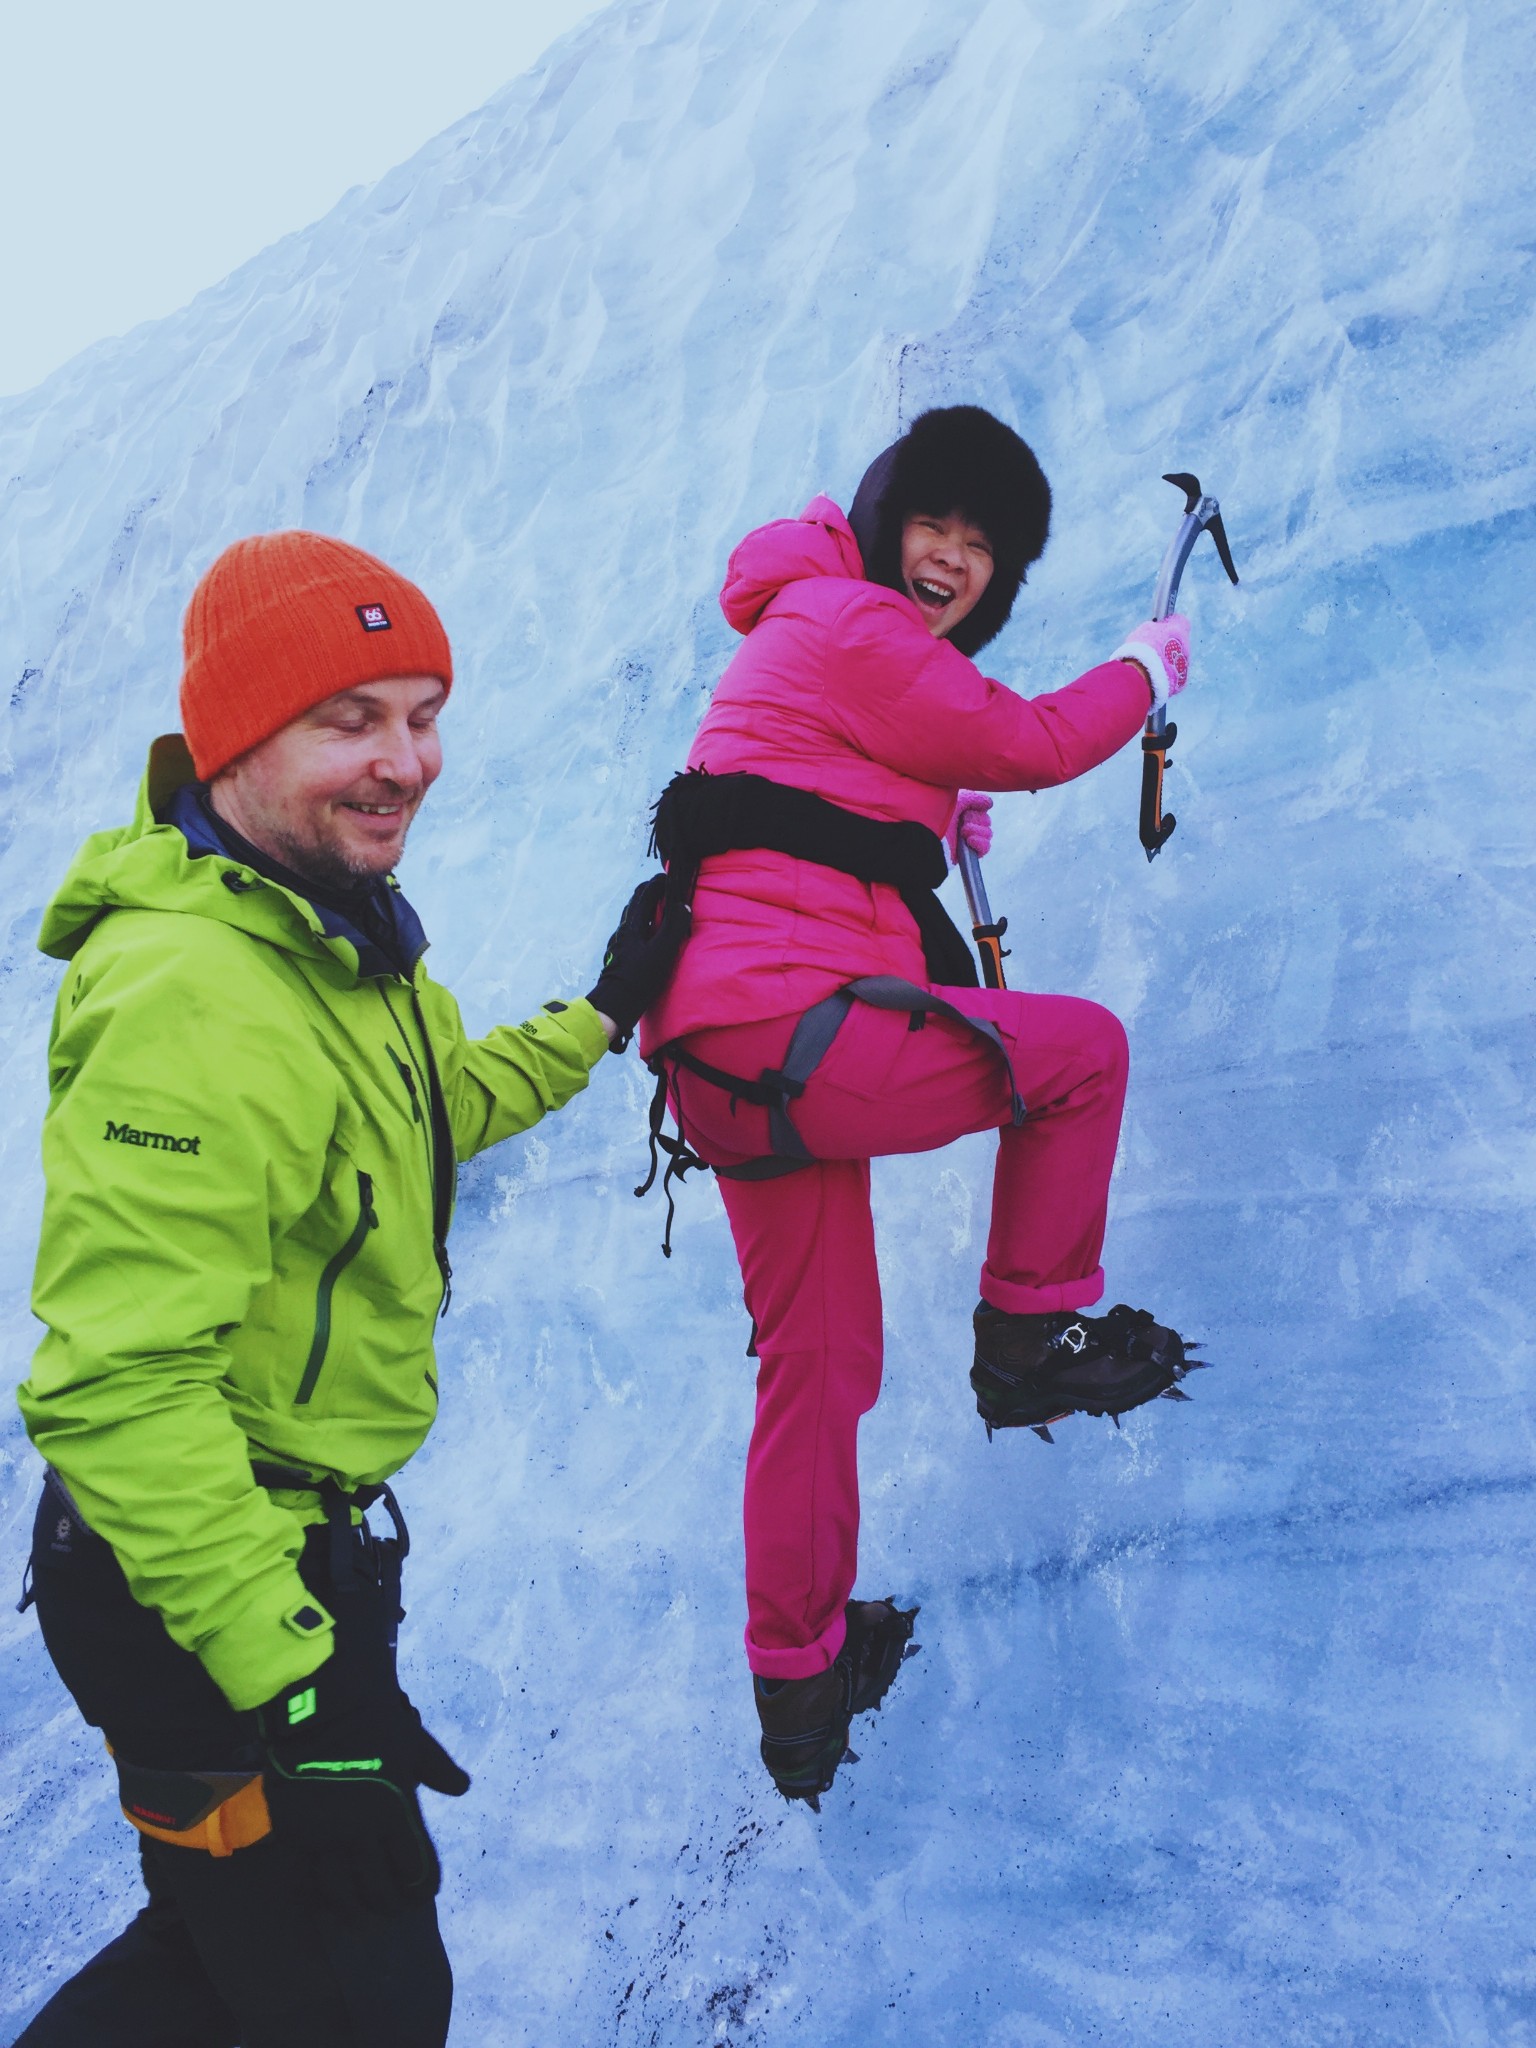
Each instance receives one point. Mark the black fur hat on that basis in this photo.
(957, 458)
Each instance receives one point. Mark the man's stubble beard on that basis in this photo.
(319, 861)
(329, 865)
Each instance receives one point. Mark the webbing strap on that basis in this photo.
(389, 1555)
(681, 1159)
(777, 1087)
(890, 992)
(772, 1166)
(808, 1047)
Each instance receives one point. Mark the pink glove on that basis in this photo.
(1162, 649)
(969, 823)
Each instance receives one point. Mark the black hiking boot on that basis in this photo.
(1031, 1371)
(805, 1720)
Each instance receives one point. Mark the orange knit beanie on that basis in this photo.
(284, 620)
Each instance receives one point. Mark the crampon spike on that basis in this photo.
(989, 1432)
(850, 1756)
(1041, 1430)
(1173, 1394)
(813, 1801)
(1114, 1419)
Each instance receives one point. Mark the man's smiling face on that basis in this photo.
(946, 565)
(333, 794)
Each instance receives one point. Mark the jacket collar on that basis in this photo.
(374, 919)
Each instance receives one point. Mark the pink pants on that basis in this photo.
(807, 1249)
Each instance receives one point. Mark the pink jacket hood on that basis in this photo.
(819, 543)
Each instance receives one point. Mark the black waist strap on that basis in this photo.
(699, 814)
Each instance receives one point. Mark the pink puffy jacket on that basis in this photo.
(841, 689)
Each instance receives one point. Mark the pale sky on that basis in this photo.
(149, 147)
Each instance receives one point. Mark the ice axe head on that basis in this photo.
(1190, 486)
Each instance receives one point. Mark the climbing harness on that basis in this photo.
(700, 814)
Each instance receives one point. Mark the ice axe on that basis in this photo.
(1200, 513)
(987, 933)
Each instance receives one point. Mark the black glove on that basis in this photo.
(640, 958)
(345, 1752)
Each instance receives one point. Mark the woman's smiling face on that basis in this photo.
(946, 565)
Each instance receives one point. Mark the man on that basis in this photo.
(258, 1101)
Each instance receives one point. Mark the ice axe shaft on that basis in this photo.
(1201, 514)
(987, 932)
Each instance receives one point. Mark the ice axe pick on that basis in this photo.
(1200, 514)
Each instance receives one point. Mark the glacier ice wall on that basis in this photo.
(1222, 1730)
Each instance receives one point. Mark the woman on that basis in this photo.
(855, 684)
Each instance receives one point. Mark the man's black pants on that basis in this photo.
(236, 1951)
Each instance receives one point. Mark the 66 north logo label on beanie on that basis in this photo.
(374, 617)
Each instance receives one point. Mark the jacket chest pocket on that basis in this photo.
(320, 1339)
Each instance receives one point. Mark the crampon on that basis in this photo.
(1031, 1371)
(805, 1721)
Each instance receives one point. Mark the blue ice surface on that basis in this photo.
(1222, 1730)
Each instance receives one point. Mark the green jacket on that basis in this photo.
(237, 1254)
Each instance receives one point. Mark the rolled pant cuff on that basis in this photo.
(1015, 1299)
(804, 1661)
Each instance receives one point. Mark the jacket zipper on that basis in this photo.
(437, 1132)
(367, 1220)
